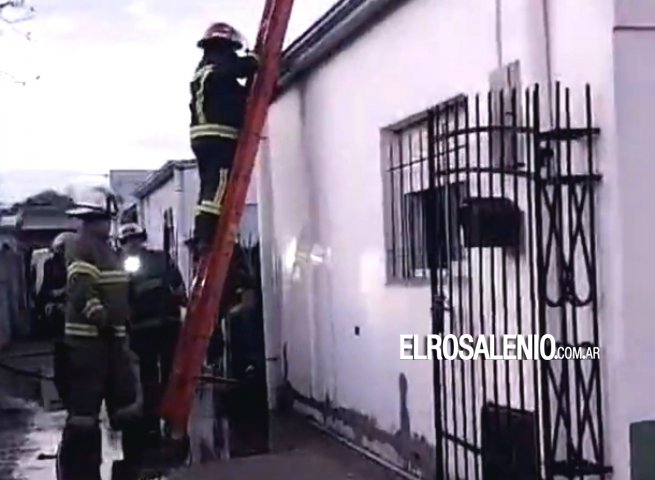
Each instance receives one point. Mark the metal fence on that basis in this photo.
(497, 212)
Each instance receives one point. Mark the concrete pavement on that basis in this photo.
(297, 451)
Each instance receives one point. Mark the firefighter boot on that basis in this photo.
(154, 436)
(197, 250)
(173, 453)
(205, 230)
(133, 440)
(123, 470)
(80, 453)
(152, 432)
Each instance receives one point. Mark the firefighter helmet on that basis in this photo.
(97, 202)
(60, 241)
(222, 31)
(131, 231)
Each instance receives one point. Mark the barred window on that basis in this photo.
(407, 197)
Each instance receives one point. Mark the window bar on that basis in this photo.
(503, 253)
(406, 196)
(531, 259)
(411, 200)
(478, 142)
(422, 201)
(447, 209)
(469, 266)
(392, 195)
(517, 257)
(401, 202)
(492, 259)
(460, 287)
(442, 301)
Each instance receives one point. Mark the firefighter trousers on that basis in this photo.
(215, 157)
(99, 369)
(155, 346)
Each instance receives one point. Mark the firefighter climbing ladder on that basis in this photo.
(210, 279)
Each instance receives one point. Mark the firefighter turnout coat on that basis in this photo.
(98, 290)
(218, 99)
(157, 291)
(101, 364)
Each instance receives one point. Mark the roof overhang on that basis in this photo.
(159, 178)
(342, 24)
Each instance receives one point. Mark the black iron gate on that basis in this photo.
(508, 210)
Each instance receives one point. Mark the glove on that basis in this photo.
(99, 319)
(252, 54)
(248, 299)
(235, 310)
(179, 295)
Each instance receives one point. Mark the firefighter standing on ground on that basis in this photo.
(218, 103)
(50, 299)
(54, 287)
(238, 313)
(238, 295)
(99, 362)
(157, 296)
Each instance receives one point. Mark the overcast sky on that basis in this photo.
(113, 87)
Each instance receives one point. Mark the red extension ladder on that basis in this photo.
(210, 279)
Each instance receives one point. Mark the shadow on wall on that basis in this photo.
(416, 453)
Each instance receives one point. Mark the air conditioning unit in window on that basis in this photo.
(491, 222)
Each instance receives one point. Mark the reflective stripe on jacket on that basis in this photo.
(97, 289)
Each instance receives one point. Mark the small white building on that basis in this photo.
(174, 189)
(377, 82)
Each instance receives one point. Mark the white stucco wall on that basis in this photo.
(632, 331)
(321, 185)
(180, 193)
(151, 216)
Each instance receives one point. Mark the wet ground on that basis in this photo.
(29, 435)
(24, 434)
(298, 452)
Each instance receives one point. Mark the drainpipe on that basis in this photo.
(180, 216)
(545, 15)
(271, 288)
(141, 212)
(310, 240)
